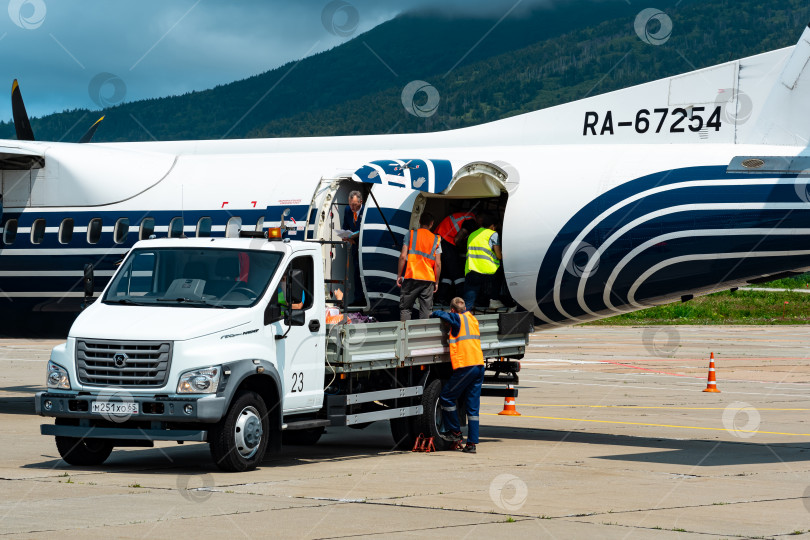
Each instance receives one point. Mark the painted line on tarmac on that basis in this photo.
(662, 388)
(655, 425)
(551, 361)
(647, 369)
(641, 407)
(670, 374)
(645, 359)
(608, 385)
(747, 358)
(650, 370)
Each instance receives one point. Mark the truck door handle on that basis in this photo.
(314, 325)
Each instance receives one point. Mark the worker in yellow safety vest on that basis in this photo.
(420, 260)
(467, 359)
(483, 260)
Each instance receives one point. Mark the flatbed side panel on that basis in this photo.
(370, 342)
(425, 339)
(365, 347)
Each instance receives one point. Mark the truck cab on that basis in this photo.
(224, 340)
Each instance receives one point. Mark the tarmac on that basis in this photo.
(616, 440)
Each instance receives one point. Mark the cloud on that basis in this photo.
(465, 8)
(157, 48)
(160, 48)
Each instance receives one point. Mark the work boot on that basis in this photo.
(496, 304)
(469, 448)
(452, 436)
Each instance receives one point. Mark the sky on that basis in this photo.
(71, 54)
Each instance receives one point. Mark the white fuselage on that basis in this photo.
(615, 202)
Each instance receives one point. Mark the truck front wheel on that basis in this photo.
(238, 442)
(83, 452)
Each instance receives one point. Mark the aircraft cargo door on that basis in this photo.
(403, 190)
(380, 244)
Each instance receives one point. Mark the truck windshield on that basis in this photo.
(207, 278)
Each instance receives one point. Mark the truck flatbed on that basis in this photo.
(352, 348)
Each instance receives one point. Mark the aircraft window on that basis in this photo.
(260, 224)
(38, 231)
(94, 231)
(176, 228)
(10, 232)
(233, 227)
(204, 227)
(147, 228)
(121, 230)
(66, 231)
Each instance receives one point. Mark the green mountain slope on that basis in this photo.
(547, 57)
(577, 64)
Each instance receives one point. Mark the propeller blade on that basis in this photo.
(87, 137)
(21, 123)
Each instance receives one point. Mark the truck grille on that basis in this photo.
(123, 363)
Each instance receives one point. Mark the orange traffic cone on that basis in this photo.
(509, 402)
(711, 386)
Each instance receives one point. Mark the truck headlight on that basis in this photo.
(199, 381)
(57, 377)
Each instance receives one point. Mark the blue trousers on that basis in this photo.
(477, 290)
(464, 382)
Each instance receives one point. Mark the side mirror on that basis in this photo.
(89, 280)
(295, 287)
(295, 317)
(89, 285)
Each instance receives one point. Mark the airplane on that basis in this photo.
(638, 197)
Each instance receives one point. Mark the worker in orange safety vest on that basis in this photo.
(467, 359)
(421, 263)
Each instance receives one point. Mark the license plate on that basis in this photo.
(113, 407)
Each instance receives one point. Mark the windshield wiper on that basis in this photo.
(124, 301)
(183, 300)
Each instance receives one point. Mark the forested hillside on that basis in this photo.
(550, 56)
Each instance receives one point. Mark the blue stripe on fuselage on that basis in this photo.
(720, 192)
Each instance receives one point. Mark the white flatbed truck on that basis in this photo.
(193, 340)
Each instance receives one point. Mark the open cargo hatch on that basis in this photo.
(389, 216)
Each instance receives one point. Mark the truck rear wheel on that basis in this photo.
(83, 452)
(429, 423)
(238, 442)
